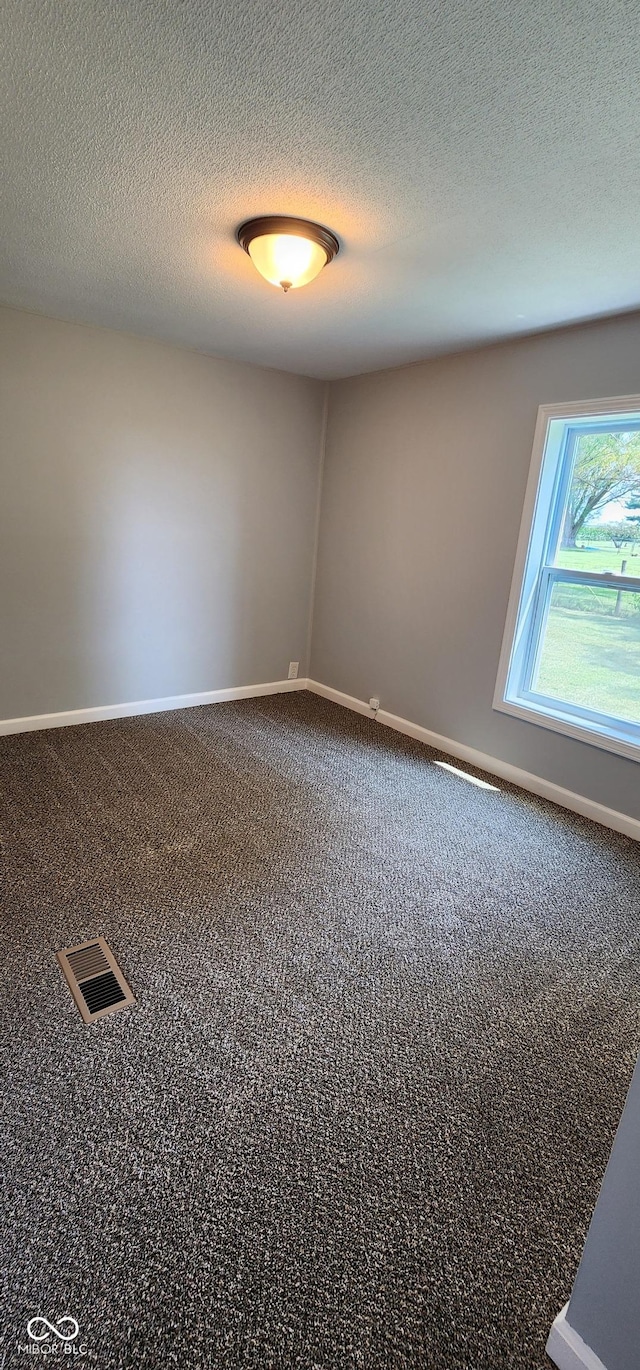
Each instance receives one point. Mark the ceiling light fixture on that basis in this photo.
(287, 252)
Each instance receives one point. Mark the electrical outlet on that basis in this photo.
(374, 704)
(293, 670)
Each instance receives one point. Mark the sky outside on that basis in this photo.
(614, 512)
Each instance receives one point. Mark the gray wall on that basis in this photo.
(158, 514)
(424, 483)
(605, 1304)
(157, 518)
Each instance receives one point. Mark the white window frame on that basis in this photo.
(529, 595)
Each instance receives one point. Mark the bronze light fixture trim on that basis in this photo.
(288, 252)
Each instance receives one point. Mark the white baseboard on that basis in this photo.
(71, 717)
(577, 803)
(566, 1348)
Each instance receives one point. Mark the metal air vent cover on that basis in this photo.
(95, 979)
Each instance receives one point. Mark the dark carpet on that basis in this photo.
(385, 1029)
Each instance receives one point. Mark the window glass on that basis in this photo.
(574, 654)
(589, 652)
(600, 527)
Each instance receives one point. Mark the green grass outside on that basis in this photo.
(591, 650)
(599, 556)
(592, 658)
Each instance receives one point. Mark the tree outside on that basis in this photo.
(606, 470)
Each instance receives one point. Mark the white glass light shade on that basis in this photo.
(287, 260)
(287, 252)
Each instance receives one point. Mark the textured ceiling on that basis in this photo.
(477, 158)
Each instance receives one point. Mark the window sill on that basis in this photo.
(558, 722)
